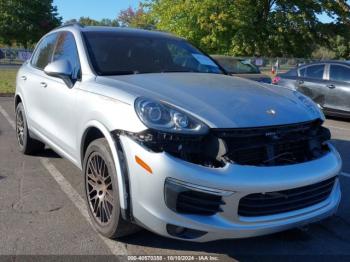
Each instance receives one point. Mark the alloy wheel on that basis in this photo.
(99, 188)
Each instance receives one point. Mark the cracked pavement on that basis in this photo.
(37, 218)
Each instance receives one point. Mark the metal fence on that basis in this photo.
(283, 63)
(14, 56)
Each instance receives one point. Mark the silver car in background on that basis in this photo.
(327, 83)
(168, 142)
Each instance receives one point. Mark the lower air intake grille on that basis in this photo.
(192, 202)
(184, 200)
(284, 201)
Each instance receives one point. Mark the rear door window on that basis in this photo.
(339, 73)
(43, 54)
(314, 71)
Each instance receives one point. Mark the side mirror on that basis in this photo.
(61, 69)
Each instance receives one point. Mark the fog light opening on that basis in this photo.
(183, 232)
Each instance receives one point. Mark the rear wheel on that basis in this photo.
(101, 188)
(27, 145)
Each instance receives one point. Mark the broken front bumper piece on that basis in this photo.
(211, 203)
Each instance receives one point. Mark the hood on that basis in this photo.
(220, 101)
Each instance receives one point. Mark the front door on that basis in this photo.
(60, 102)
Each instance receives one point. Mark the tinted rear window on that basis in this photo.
(314, 71)
(112, 53)
(339, 73)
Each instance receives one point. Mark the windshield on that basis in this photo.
(113, 53)
(237, 66)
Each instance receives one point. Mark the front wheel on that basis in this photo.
(101, 188)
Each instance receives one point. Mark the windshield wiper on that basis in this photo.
(190, 71)
(179, 71)
(120, 73)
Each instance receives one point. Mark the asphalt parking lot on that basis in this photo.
(42, 212)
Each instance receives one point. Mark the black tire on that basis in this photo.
(27, 145)
(101, 190)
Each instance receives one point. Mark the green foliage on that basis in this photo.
(337, 39)
(248, 27)
(323, 53)
(87, 21)
(108, 22)
(341, 47)
(137, 18)
(24, 22)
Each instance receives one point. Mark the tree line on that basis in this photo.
(284, 28)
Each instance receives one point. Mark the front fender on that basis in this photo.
(113, 147)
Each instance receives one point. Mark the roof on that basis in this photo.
(128, 31)
(341, 62)
(120, 30)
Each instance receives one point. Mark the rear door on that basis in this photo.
(33, 79)
(312, 83)
(339, 87)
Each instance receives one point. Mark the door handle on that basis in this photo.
(24, 78)
(331, 86)
(43, 84)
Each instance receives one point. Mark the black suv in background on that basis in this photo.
(326, 82)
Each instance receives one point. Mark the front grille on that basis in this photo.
(256, 146)
(185, 200)
(275, 145)
(283, 201)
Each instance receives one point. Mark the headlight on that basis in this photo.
(310, 105)
(161, 116)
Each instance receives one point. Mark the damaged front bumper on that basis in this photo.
(232, 182)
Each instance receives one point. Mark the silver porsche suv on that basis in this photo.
(167, 141)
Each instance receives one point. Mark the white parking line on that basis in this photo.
(345, 174)
(115, 247)
(7, 117)
(336, 127)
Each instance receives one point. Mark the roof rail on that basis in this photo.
(71, 24)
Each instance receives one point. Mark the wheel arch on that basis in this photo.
(18, 99)
(95, 130)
